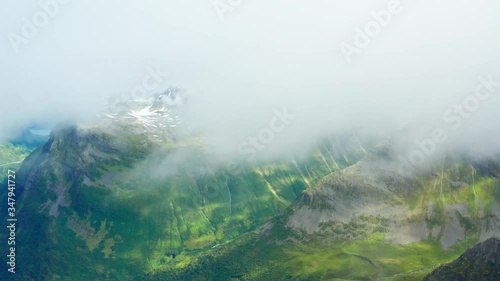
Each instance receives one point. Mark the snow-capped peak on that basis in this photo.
(156, 115)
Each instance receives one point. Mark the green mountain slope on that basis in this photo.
(11, 157)
(366, 222)
(94, 206)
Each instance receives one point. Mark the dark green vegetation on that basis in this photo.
(479, 263)
(363, 223)
(95, 206)
(258, 257)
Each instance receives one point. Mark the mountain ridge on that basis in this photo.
(125, 205)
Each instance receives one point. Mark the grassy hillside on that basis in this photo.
(11, 157)
(439, 214)
(100, 207)
(94, 206)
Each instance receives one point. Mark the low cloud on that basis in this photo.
(261, 58)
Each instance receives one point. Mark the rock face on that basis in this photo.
(447, 203)
(479, 263)
(367, 222)
(94, 205)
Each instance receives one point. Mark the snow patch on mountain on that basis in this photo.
(157, 115)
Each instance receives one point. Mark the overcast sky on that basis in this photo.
(263, 56)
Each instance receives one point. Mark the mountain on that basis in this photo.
(365, 222)
(94, 205)
(14, 150)
(139, 197)
(11, 157)
(157, 116)
(479, 263)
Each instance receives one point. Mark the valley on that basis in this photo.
(133, 208)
